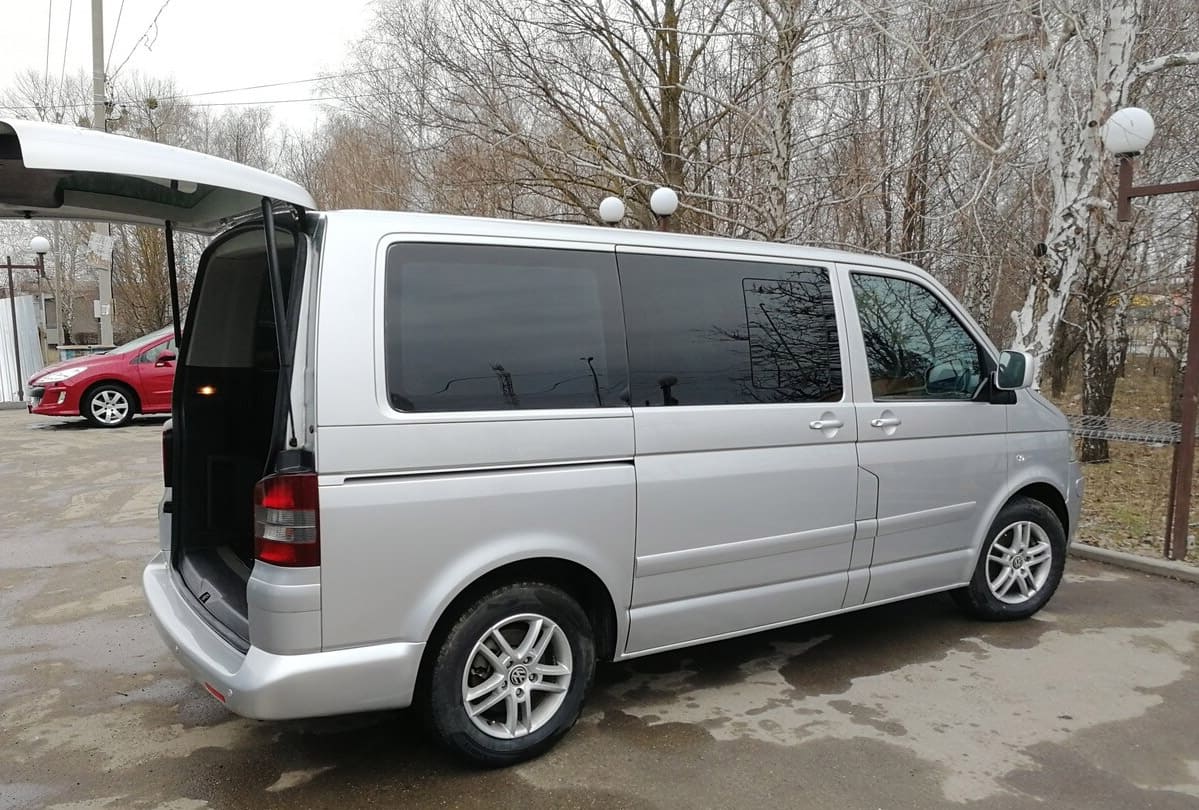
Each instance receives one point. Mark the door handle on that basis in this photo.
(885, 421)
(824, 424)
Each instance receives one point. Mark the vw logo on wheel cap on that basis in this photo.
(518, 676)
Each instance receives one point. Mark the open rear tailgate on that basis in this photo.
(61, 172)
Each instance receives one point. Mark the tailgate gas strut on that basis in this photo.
(282, 338)
(173, 275)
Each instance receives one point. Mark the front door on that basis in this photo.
(928, 435)
(745, 460)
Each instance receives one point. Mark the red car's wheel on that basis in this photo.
(108, 405)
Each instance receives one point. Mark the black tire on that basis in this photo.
(109, 405)
(985, 597)
(446, 696)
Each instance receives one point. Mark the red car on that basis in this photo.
(108, 389)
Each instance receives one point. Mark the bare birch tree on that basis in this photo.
(1095, 42)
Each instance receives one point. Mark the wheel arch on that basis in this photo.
(580, 582)
(976, 596)
(135, 400)
(1049, 495)
(1036, 484)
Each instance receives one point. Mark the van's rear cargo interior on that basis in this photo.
(226, 409)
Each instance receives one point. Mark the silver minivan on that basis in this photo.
(453, 463)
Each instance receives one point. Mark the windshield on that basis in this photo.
(137, 344)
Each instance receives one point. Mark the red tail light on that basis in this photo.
(286, 520)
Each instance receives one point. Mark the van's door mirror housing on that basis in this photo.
(1015, 371)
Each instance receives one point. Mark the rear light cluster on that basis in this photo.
(286, 520)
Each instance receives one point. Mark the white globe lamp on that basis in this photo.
(39, 245)
(664, 201)
(611, 210)
(1128, 131)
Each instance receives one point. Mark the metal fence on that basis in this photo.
(1123, 429)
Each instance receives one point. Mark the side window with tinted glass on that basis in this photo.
(915, 347)
(721, 332)
(477, 328)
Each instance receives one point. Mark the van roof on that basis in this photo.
(445, 224)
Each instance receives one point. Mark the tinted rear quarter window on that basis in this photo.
(481, 327)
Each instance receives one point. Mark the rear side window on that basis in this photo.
(723, 332)
(481, 327)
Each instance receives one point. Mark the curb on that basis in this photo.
(12, 406)
(1146, 565)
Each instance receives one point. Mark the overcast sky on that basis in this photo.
(205, 45)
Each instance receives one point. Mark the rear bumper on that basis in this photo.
(267, 686)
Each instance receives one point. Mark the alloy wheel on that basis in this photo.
(109, 406)
(517, 676)
(1018, 562)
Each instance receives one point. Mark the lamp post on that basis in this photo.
(1126, 134)
(39, 245)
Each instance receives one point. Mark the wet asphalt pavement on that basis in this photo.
(1093, 704)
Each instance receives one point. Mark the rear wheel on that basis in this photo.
(511, 675)
(1020, 565)
(108, 405)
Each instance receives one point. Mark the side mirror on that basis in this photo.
(1015, 371)
(164, 359)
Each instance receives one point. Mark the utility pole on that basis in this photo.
(99, 110)
(100, 122)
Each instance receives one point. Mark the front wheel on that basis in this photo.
(1020, 565)
(511, 675)
(109, 405)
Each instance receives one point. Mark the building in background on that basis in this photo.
(28, 341)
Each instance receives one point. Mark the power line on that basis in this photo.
(49, 24)
(283, 101)
(66, 106)
(221, 103)
(178, 96)
(153, 24)
(290, 82)
(309, 80)
(113, 44)
(66, 42)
